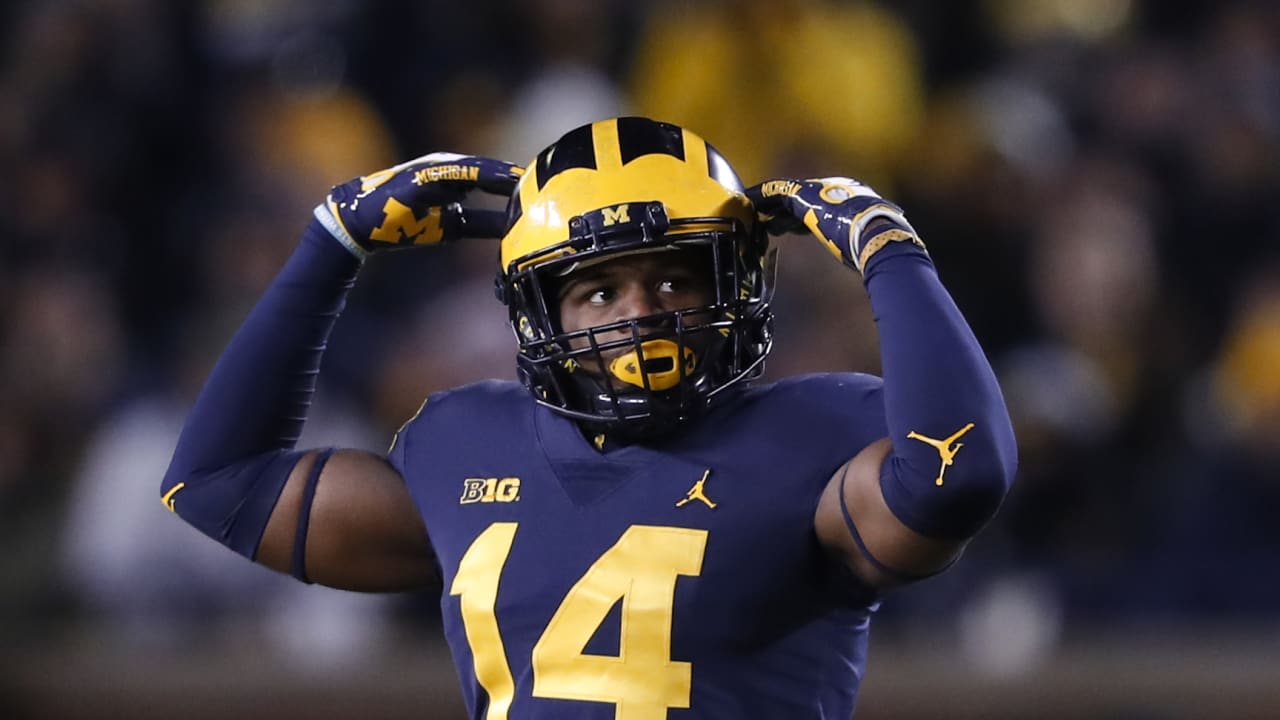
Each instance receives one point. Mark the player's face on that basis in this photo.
(633, 286)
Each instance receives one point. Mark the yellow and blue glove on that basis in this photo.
(850, 218)
(417, 203)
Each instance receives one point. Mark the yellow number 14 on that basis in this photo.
(640, 570)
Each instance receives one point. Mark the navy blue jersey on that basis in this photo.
(680, 580)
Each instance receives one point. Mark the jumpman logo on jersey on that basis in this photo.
(946, 448)
(697, 493)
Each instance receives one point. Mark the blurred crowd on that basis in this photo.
(1097, 181)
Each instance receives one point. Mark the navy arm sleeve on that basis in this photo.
(954, 454)
(235, 452)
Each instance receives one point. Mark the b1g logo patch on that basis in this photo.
(487, 490)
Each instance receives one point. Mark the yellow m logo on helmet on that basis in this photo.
(616, 214)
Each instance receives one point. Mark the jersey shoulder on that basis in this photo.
(819, 398)
(478, 399)
(484, 390)
(480, 410)
(826, 418)
(825, 387)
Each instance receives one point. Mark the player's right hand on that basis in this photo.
(417, 203)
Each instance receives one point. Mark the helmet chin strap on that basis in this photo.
(659, 422)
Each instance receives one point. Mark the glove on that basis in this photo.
(850, 218)
(417, 203)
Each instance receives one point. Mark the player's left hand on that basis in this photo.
(850, 218)
(417, 203)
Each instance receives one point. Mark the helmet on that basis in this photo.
(619, 187)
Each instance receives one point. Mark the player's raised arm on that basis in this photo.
(904, 507)
(343, 518)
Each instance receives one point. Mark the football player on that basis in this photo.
(635, 530)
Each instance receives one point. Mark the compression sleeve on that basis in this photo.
(954, 454)
(235, 451)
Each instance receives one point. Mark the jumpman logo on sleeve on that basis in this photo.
(947, 448)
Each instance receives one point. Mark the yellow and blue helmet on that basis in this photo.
(617, 187)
